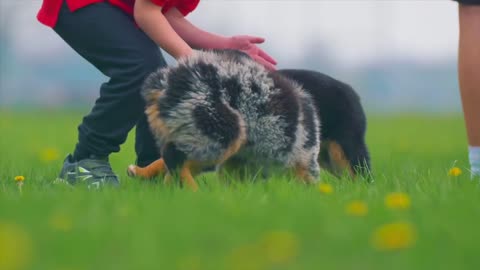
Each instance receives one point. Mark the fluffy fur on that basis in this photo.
(343, 119)
(217, 105)
(222, 108)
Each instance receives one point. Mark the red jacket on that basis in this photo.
(48, 13)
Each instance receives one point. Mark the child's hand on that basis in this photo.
(247, 45)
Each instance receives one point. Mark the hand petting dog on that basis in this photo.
(247, 45)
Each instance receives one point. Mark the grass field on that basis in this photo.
(414, 216)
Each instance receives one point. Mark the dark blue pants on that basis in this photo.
(109, 39)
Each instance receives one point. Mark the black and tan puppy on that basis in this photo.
(220, 106)
(343, 147)
(343, 150)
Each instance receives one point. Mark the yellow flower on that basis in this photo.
(67, 268)
(325, 188)
(394, 236)
(357, 208)
(49, 154)
(279, 247)
(455, 171)
(123, 211)
(19, 178)
(245, 257)
(60, 222)
(397, 200)
(15, 247)
(189, 263)
(276, 248)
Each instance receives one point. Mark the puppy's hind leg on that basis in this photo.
(338, 160)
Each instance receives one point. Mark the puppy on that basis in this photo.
(343, 150)
(218, 107)
(343, 147)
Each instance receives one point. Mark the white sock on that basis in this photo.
(474, 156)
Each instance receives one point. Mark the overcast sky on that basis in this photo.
(353, 32)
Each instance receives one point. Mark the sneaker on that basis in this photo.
(93, 171)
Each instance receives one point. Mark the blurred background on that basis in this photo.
(399, 55)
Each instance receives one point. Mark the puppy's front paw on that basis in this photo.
(132, 171)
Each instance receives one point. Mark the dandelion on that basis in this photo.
(455, 171)
(279, 247)
(15, 247)
(397, 201)
(19, 179)
(123, 211)
(49, 154)
(189, 263)
(67, 268)
(356, 208)
(394, 236)
(246, 257)
(404, 145)
(60, 222)
(325, 188)
(273, 249)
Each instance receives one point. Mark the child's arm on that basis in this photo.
(199, 38)
(150, 19)
(195, 37)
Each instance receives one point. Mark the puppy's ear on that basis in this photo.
(154, 85)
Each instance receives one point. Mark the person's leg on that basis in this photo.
(108, 38)
(469, 77)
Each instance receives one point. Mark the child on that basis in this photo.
(121, 38)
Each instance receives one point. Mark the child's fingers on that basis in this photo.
(256, 40)
(267, 57)
(265, 63)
